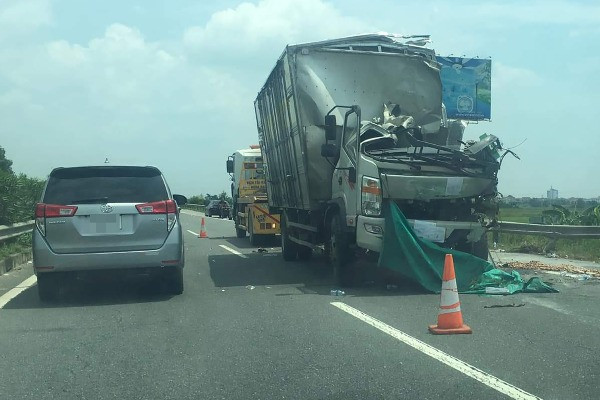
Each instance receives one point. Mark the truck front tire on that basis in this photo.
(478, 248)
(339, 253)
(304, 253)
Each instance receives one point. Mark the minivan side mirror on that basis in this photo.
(230, 166)
(180, 199)
(330, 127)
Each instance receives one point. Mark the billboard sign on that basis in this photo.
(466, 87)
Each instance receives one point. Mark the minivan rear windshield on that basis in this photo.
(105, 185)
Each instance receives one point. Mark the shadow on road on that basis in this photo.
(310, 277)
(88, 293)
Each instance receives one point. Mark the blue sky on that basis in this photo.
(172, 84)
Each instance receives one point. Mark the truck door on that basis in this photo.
(343, 186)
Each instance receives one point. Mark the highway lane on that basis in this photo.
(252, 326)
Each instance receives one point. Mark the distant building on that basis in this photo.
(552, 194)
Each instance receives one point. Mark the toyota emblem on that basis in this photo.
(105, 208)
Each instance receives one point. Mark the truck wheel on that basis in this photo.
(289, 249)
(304, 253)
(338, 251)
(240, 233)
(48, 286)
(480, 248)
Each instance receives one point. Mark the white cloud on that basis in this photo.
(271, 22)
(546, 12)
(23, 16)
(506, 76)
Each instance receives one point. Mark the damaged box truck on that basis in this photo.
(348, 125)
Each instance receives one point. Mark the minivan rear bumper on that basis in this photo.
(169, 255)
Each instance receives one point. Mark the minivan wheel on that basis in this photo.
(48, 286)
(174, 281)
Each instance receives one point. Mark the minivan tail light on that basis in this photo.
(55, 211)
(157, 207)
(168, 207)
(43, 211)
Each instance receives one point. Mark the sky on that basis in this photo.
(172, 83)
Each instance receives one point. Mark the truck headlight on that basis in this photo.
(371, 196)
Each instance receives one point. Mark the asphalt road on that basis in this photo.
(249, 326)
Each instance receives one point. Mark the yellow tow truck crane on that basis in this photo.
(250, 209)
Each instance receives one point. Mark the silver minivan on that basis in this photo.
(107, 218)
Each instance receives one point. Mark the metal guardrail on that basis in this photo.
(14, 230)
(550, 231)
(194, 207)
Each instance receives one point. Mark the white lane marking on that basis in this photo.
(237, 253)
(193, 233)
(453, 362)
(14, 292)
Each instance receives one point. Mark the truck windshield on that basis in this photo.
(253, 170)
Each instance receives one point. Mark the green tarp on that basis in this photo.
(423, 261)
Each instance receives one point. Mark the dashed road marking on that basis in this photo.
(451, 361)
(237, 253)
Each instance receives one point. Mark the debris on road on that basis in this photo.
(391, 287)
(505, 305)
(337, 292)
(250, 287)
(537, 265)
(262, 250)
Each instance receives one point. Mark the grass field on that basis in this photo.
(519, 214)
(581, 249)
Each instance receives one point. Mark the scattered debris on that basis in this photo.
(337, 292)
(551, 255)
(262, 250)
(583, 277)
(250, 287)
(566, 268)
(222, 290)
(505, 305)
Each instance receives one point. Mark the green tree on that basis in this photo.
(196, 199)
(5, 164)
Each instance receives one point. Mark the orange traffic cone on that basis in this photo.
(450, 320)
(202, 234)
